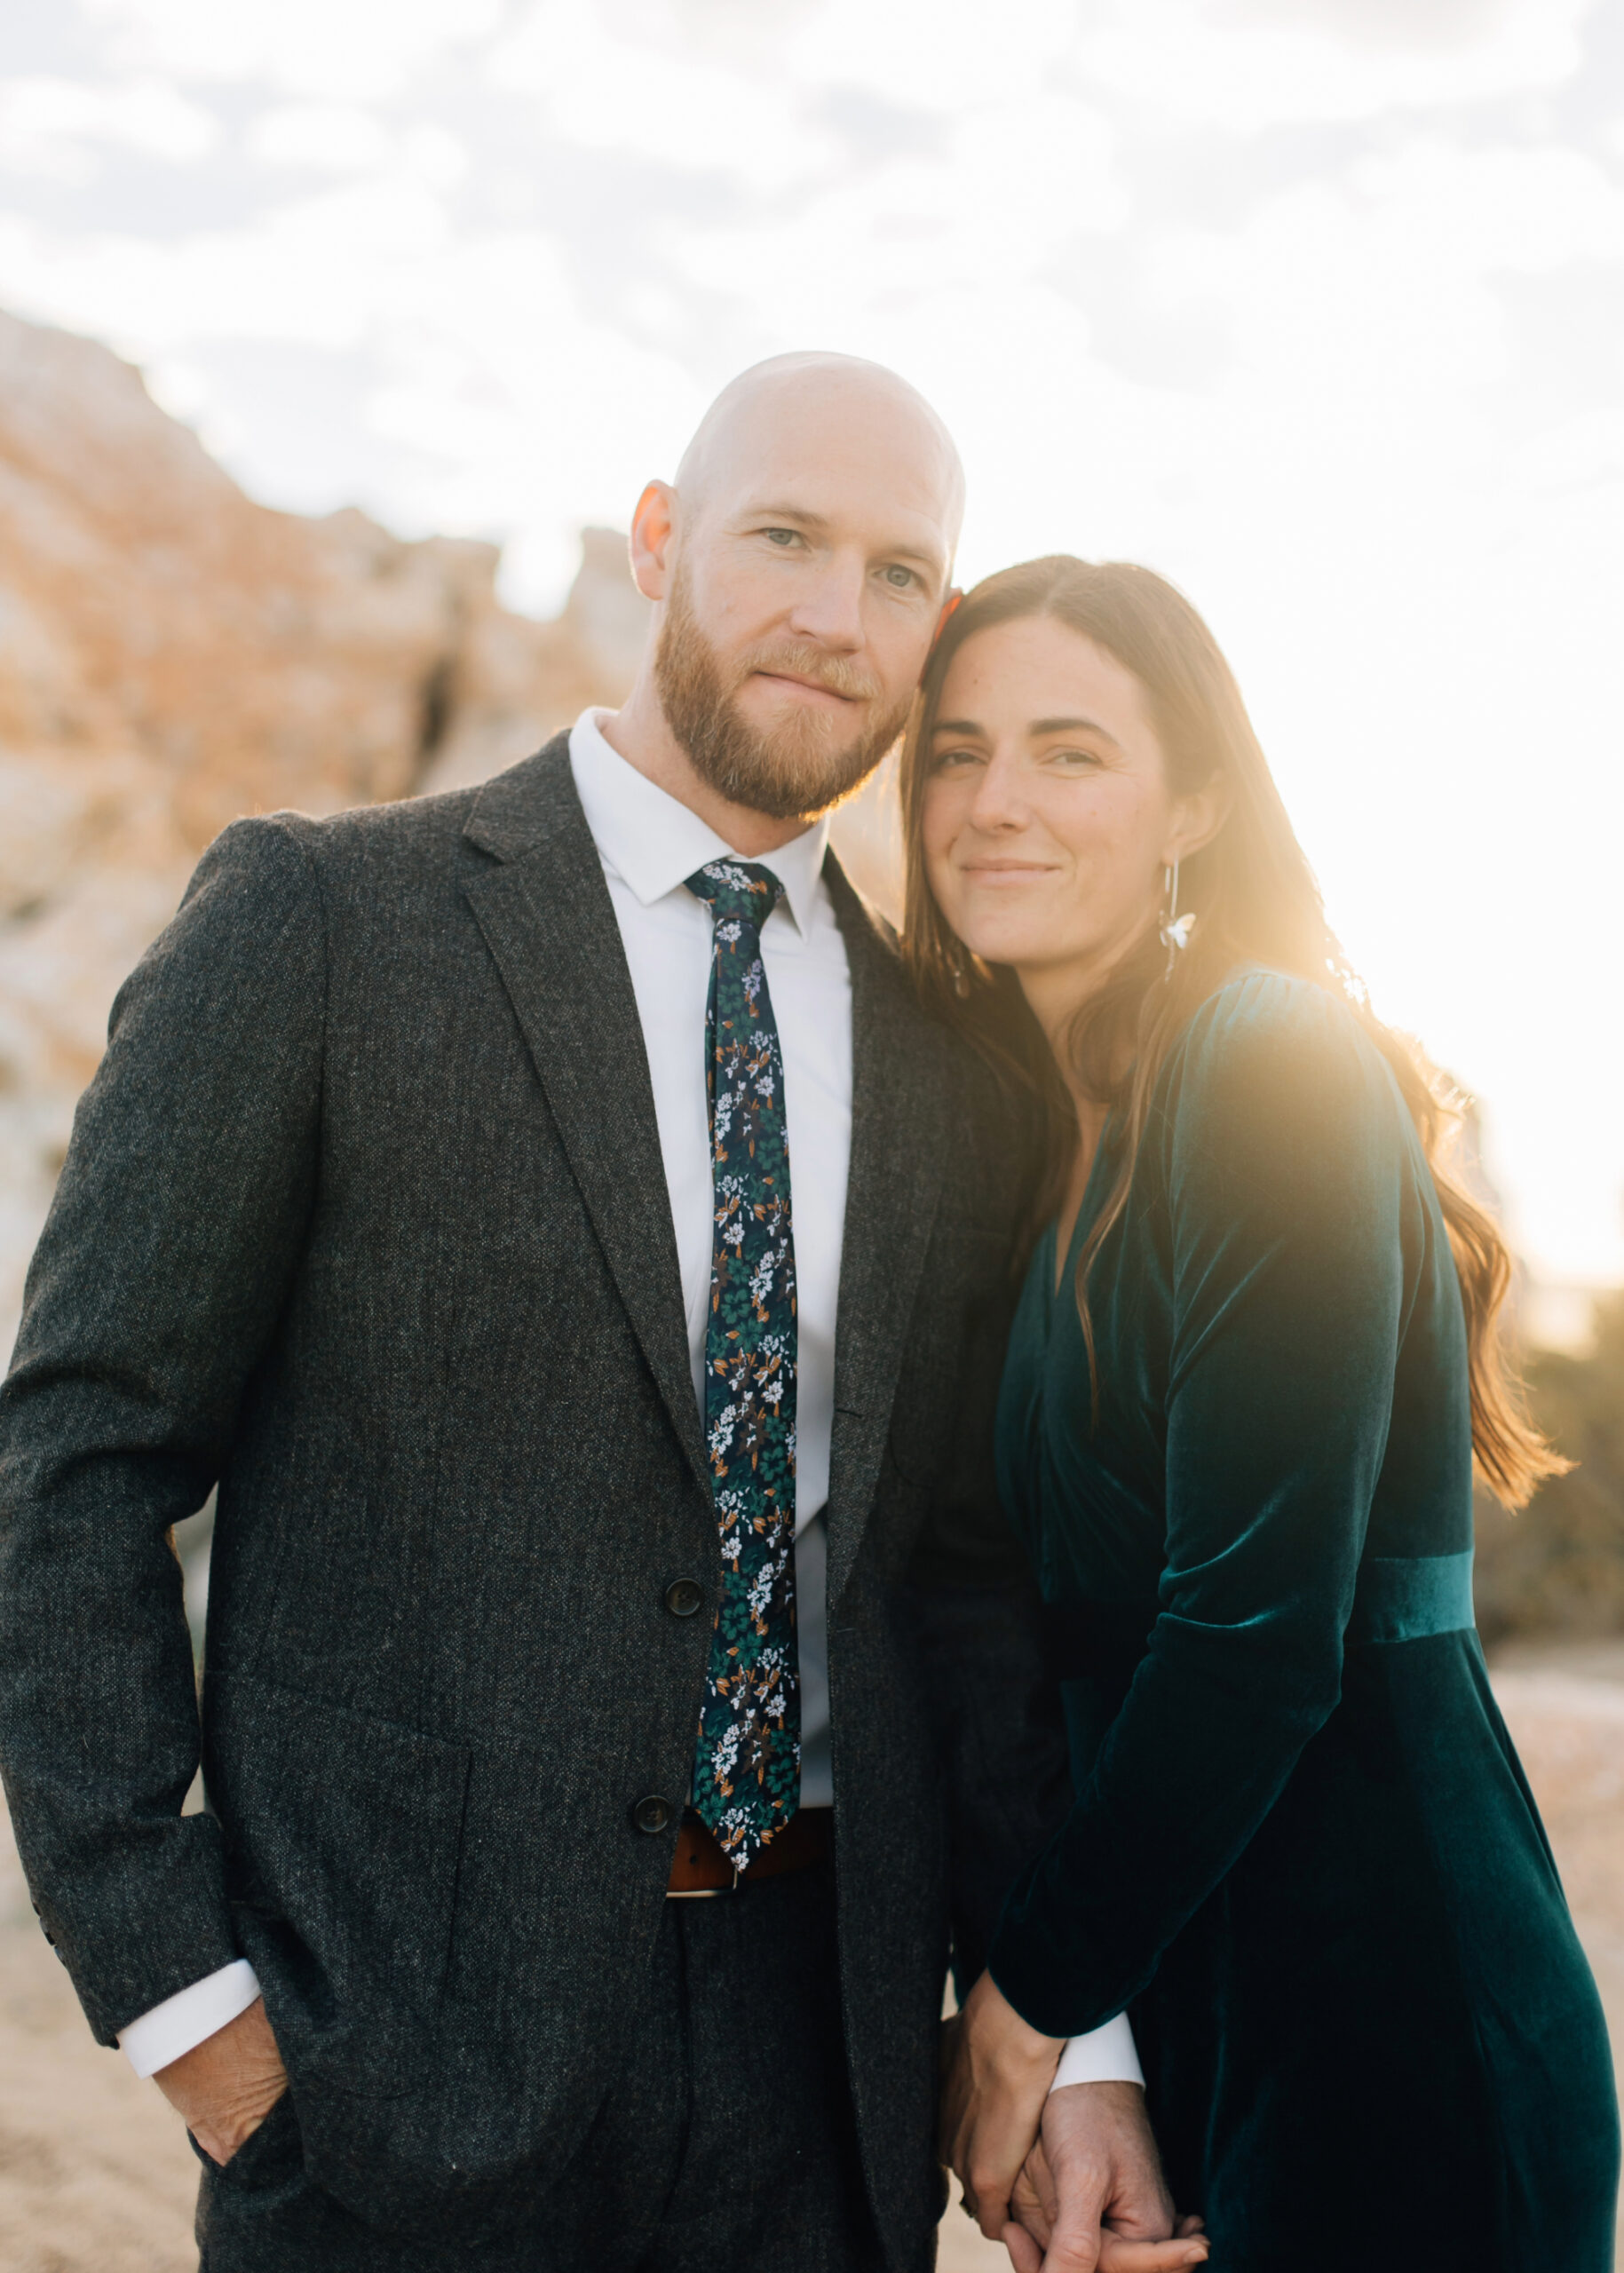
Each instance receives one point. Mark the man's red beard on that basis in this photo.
(800, 767)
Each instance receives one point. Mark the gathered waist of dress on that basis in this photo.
(1396, 1598)
(1408, 1598)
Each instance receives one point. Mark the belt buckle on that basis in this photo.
(708, 1893)
(704, 1893)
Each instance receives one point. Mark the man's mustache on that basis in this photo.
(831, 672)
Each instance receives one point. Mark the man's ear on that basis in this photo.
(654, 526)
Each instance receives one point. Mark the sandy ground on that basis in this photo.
(96, 2175)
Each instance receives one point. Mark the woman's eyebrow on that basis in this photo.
(1073, 727)
(958, 726)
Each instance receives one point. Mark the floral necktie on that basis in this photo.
(746, 1771)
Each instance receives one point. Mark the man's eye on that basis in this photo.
(900, 578)
(782, 538)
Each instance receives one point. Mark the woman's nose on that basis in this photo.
(1000, 799)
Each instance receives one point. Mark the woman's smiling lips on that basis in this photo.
(1006, 872)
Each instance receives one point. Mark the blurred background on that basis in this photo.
(336, 340)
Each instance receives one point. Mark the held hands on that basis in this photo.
(998, 2075)
(1089, 2197)
(226, 2085)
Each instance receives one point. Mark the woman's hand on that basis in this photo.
(999, 2072)
(1072, 2215)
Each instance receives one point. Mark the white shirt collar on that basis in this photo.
(656, 843)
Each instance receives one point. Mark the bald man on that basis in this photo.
(543, 1216)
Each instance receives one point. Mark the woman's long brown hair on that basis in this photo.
(1256, 900)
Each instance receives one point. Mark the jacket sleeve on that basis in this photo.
(1000, 1741)
(155, 1287)
(1283, 1154)
(995, 1708)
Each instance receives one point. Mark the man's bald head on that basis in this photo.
(810, 392)
(797, 567)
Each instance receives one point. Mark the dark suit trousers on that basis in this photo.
(726, 2144)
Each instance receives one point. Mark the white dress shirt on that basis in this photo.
(649, 845)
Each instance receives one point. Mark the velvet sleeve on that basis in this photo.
(1277, 1174)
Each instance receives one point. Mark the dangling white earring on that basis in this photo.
(1173, 929)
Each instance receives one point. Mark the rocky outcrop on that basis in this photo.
(173, 654)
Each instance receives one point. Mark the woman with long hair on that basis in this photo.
(1255, 1364)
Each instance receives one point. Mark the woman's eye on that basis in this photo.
(947, 760)
(1073, 760)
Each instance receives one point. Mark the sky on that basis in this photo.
(1315, 306)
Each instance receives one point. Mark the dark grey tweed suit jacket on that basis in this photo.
(365, 1220)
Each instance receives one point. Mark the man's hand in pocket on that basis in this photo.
(226, 2085)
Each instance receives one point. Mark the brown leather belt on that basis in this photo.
(700, 1867)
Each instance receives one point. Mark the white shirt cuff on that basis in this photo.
(182, 2022)
(1106, 2055)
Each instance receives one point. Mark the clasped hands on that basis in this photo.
(1069, 2182)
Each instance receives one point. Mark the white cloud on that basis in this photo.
(656, 99)
(341, 138)
(1012, 185)
(1427, 23)
(57, 128)
(1246, 68)
(1488, 210)
(322, 137)
(940, 55)
(335, 50)
(317, 271)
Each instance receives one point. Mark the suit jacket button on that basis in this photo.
(684, 1597)
(651, 1815)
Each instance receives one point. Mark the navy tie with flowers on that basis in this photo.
(746, 1769)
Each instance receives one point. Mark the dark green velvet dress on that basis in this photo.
(1303, 1852)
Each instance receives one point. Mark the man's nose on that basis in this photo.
(829, 607)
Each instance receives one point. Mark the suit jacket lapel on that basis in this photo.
(898, 1141)
(550, 924)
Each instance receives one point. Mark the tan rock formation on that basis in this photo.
(173, 655)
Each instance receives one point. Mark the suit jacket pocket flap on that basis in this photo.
(343, 1835)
